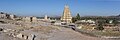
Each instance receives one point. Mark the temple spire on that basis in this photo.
(66, 17)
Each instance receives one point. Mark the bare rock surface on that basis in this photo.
(68, 34)
(43, 31)
(7, 37)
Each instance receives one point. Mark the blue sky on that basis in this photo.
(55, 7)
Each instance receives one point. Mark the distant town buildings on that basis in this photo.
(66, 17)
(86, 22)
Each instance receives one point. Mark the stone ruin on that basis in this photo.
(16, 34)
(30, 19)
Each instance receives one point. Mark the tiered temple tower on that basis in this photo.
(66, 17)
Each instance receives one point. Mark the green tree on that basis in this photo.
(74, 20)
(115, 22)
(77, 16)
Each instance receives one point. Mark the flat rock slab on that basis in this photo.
(8, 26)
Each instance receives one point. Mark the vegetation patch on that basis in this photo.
(96, 33)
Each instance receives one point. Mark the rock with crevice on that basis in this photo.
(1, 29)
(31, 37)
(20, 36)
(7, 30)
(25, 37)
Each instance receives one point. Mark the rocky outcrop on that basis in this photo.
(27, 37)
(31, 37)
(1, 29)
(19, 35)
